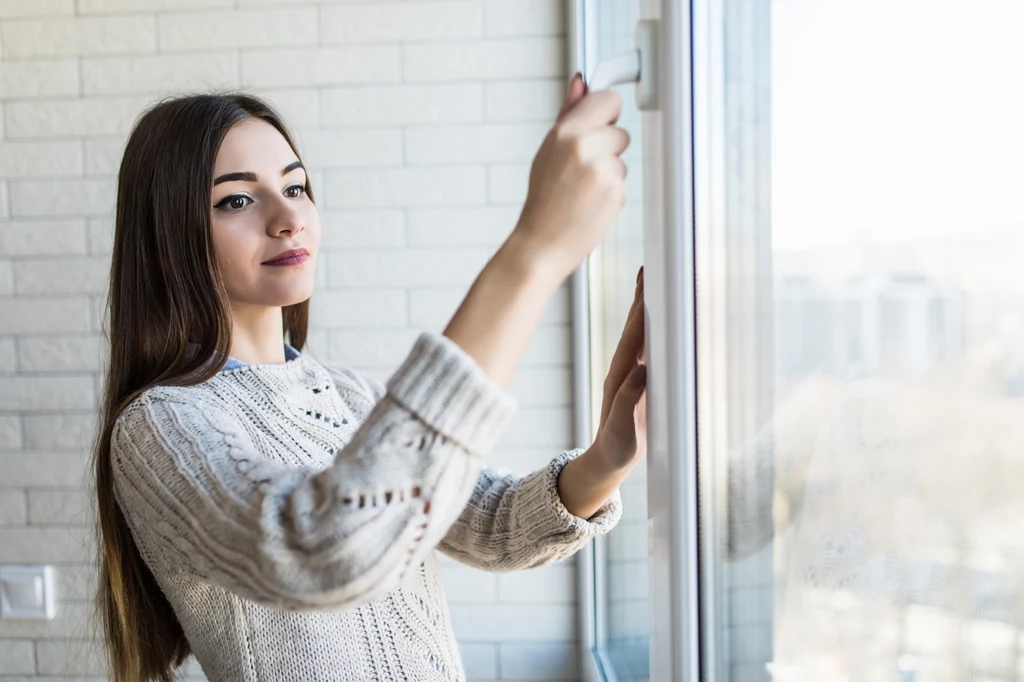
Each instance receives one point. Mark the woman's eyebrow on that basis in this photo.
(248, 176)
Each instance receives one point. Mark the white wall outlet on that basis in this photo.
(26, 593)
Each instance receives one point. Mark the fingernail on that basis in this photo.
(576, 75)
(638, 376)
(638, 273)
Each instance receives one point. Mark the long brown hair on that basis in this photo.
(165, 294)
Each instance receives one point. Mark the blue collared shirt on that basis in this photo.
(289, 354)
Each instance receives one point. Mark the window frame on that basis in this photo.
(669, 243)
(590, 574)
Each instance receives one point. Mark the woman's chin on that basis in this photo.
(282, 297)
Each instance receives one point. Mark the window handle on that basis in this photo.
(623, 68)
(636, 66)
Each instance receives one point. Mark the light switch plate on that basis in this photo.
(26, 593)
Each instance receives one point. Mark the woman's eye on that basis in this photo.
(295, 191)
(235, 202)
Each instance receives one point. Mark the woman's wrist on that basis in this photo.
(587, 482)
(529, 264)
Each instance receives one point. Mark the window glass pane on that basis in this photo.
(608, 31)
(861, 341)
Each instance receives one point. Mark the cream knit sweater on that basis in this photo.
(290, 512)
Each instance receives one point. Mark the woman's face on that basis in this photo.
(260, 209)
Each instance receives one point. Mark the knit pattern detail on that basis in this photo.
(290, 512)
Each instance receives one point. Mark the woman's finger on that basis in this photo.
(576, 90)
(619, 432)
(629, 348)
(594, 110)
(641, 356)
(637, 291)
(611, 140)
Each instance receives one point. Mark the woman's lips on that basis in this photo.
(297, 259)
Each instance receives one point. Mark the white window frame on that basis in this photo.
(670, 298)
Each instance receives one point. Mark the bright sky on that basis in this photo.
(898, 118)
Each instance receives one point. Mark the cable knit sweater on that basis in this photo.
(290, 512)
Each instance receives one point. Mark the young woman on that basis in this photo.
(277, 516)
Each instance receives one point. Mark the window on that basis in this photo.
(860, 333)
(830, 213)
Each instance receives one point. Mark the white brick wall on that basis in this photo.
(418, 121)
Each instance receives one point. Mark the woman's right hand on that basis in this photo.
(577, 181)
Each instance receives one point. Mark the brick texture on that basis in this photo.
(417, 122)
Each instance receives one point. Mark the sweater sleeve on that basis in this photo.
(513, 522)
(200, 499)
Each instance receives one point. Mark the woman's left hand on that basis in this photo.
(622, 433)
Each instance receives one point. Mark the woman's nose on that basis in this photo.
(285, 218)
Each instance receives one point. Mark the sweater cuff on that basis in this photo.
(445, 387)
(553, 518)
